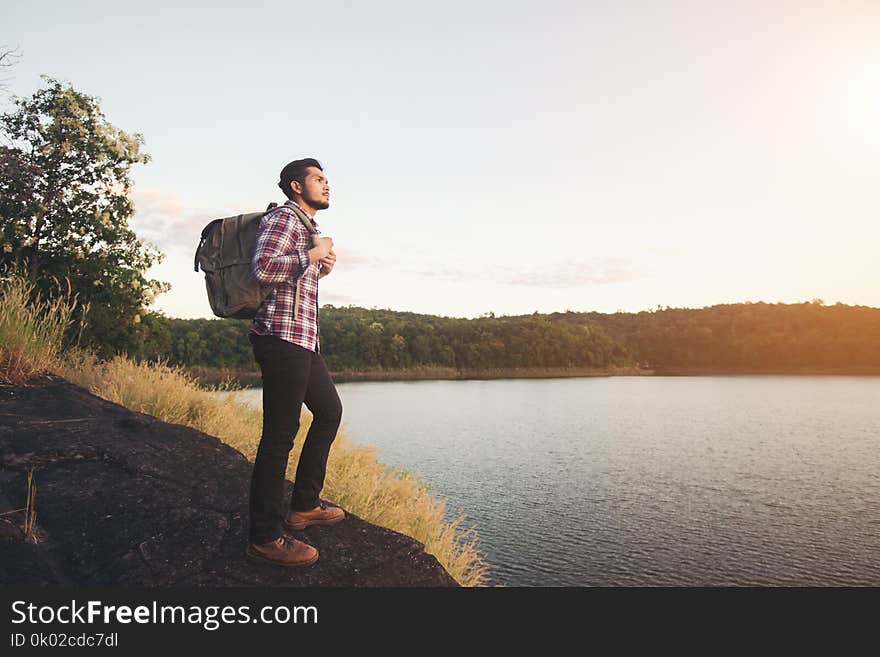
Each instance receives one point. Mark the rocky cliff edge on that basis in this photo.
(124, 499)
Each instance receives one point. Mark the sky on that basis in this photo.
(506, 157)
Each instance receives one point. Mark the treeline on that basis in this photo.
(757, 336)
(733, 336)
(360, 339)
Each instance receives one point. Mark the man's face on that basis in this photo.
(315, 189)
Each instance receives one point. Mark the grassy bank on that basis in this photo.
(251, 378)
(223, 376)
(355, 478)
(788, 371)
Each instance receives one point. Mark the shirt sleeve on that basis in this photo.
(275, 258)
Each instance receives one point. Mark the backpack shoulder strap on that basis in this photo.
(303, 217)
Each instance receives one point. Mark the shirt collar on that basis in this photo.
(311, 218)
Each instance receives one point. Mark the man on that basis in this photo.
(285, 341)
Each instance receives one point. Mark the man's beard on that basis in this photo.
(320, 204)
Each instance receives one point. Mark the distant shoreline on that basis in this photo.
(453, 374)
(208, 376)
(251, 378)
(786, 371)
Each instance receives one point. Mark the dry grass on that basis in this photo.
(31, 332)
(31, 337)
(165, 392)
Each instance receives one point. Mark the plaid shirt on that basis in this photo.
(281, 258)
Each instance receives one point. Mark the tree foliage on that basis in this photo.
(738, 337)
(749, 336)
(65, 208)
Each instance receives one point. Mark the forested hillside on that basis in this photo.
(742, 335)
(746, 335)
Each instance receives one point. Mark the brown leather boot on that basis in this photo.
(320, 515)
(283, 551)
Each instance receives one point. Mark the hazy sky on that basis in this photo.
(501, 156)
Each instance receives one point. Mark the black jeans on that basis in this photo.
(291, 375)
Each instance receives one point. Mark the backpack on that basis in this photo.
(224, 253)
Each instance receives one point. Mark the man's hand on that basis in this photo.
(323, 246)
(327, 264)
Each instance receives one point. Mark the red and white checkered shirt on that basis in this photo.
(281, 257)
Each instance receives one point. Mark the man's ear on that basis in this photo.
(296, 187)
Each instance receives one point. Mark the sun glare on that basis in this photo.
(864, 99)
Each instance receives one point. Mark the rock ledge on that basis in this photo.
(124, 499)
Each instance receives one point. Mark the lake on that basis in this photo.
(621, 481)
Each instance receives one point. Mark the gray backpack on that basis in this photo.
(224, 253)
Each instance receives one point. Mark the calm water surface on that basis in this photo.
(741, 480)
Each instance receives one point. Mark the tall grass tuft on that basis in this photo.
(31, 328)
(30, 511)
(31, 342)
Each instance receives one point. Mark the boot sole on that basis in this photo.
(302, 525)
(253, 556)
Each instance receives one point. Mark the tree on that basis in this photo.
(8, 59)
(64, 206)
(398, 351)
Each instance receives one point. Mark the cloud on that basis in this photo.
(353, 259)
(336, 298)
(171, 223)
(571, 272)
(574, 273)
